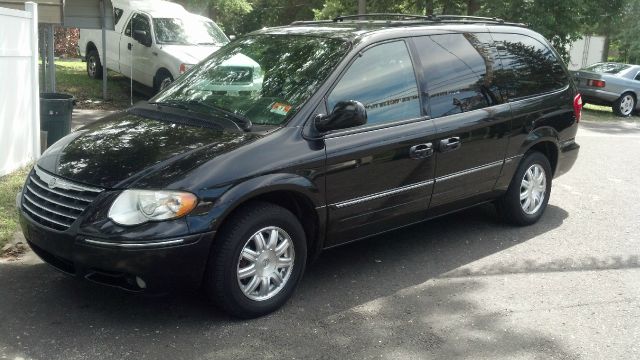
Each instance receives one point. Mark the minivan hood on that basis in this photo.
(190, 54)
(123, 148)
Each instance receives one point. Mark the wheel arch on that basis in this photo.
(294, 193)
(545, 140)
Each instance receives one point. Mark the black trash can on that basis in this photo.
(55, 115)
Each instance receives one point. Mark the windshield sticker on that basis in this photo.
(280, 108)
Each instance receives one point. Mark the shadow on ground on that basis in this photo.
(622, 126)
(396, 295)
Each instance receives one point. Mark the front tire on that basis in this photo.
(162, 80)
(257, 260)
(94, 66)
(625, 105)
(528, 194)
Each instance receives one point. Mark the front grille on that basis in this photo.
(55, 202)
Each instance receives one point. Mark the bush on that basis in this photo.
(66, 41)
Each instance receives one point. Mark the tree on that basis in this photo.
(228, 14)
(624, 33)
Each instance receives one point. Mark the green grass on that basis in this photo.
(72, 78)
(592, 112)
(9, 187)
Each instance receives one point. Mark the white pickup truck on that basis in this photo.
(153, 42)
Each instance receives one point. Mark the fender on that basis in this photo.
(219, 202)
(538, 135)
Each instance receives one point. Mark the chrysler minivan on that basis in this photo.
(355, 128)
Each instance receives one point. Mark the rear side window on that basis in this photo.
(530, 67)
(383, 80)
(460, 72)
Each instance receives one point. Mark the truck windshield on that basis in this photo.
(262, 78)
(194, 31)
(608, 68)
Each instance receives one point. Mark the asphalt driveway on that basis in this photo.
(462, 287)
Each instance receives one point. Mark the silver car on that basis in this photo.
(610, 84)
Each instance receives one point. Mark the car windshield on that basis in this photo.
(193, 31)
(607, 68)
(261, 78)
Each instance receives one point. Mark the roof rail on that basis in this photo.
(382, 15)
(466, 17)
(403, 19)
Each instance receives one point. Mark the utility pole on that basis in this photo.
(362, 7)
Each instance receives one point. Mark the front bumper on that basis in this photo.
(567, 156)
(154, 265)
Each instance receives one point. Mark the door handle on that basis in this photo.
(450, 144)
(421, 151)
(129, 46)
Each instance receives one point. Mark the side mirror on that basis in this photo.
(142, 37)
(232, 37)
(345, 114)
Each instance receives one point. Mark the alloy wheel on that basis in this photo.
(626, 105)
(164, 83)
(93, 64)
(265, 263)
(533, 189)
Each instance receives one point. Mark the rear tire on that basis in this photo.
(94, 66)
(251, 275)
(528, 194)
(625, 105)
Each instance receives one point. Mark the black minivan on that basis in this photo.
(299, 138)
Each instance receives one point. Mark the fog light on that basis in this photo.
(141, 284)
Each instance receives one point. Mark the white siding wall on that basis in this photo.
(585, 51)
(19, 93)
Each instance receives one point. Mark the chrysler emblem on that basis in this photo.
(52, 183)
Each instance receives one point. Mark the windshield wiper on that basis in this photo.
(237, 120)
(243, 122)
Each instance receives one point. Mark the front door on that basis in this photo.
(380, 175)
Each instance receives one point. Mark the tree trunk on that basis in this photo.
(362, 6)
(472, 7)
(428, 7)
(605, 48)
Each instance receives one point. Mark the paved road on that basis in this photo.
(460, 287)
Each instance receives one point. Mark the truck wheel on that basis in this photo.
(257, 260)
(162, 80)
(528, 194)
(94, 67)
(625, 105)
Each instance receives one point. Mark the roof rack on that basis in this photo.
(467, 18)
(381, 15)
(434, 18)
(403, 19)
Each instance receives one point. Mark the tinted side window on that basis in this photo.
(117, 14)
(530, 67)
(384, 81)
(460, 72)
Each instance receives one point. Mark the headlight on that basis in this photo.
(134, 207)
